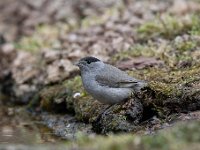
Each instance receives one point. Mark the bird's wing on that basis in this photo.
(115, 84)
(113, 77)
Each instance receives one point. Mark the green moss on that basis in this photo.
(195, 25)
(185, 45)
(174, 54)
(74, 85)
(135, 51)
(167, 26)
(44, 36)
(181, 136)
(164, 78)
(172, 77)
(29, 44)
(163, 88)
(174, 138)
(151, 29)
(51, 97)
(100, 19)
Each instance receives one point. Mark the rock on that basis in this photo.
(7, 53)
(65, 126)
(120, 117)
(52, 99)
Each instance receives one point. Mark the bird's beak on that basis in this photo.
(76, 63)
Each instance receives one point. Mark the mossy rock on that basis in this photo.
(176, 91)
(167, 92)
(53, 98)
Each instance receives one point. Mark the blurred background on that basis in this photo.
(154, 40)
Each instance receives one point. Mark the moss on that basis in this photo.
(167, 26)
(100, 19)
(44, 36)
(150, 28)
(174, 138)
(135, 51)
(178, 53)
(163, 88)
(123, 117)
(29, 44)
(175, 91)
(86, 108)
(195, 25)
(53, 98)
(181, 136)
(185, 46)
(162, 79)
(74, 84)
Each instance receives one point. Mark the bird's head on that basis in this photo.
(89, 64)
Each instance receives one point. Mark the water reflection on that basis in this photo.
(18, 127)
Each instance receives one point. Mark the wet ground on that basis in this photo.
(17, 126)
(22, 129)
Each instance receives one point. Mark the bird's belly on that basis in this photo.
(111, 95)
(105, 94)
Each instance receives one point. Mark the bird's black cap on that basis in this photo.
(89, 59)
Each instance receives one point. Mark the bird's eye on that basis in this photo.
(88, 62)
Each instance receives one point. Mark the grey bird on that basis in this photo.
(106, 83)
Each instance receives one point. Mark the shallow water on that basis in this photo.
(17, 126)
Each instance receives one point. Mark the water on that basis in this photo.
(18, 127)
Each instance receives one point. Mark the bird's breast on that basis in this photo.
(89, 82)
(104, 94)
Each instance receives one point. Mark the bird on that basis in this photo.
(106, 83)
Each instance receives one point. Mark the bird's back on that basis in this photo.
(114, 77)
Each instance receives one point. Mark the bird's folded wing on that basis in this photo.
(115, 82)
(113, 77)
